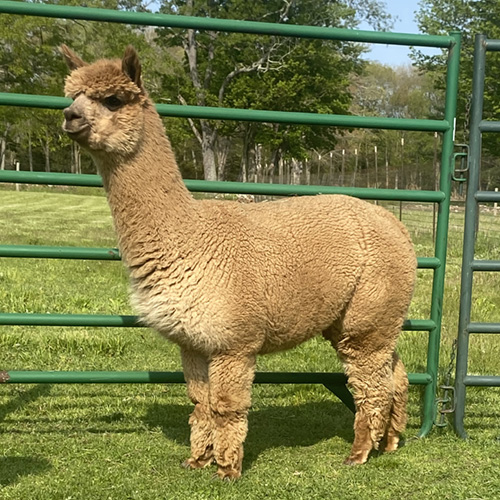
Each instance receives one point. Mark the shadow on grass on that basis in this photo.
(269, 427)
(22, 399)
(12, 468)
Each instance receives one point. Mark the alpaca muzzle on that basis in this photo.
(75, 124)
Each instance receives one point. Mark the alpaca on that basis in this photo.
(227, 281)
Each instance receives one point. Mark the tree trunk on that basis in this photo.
(72, 167)
(243, 166)
(46, 151)
(296, 171)
(208, 136)
(308, 173)
(258, 177)
(355, 167)
(3, 147)
(277, 164)
(18, 168)
(76, 159)
(30, 152)
(386, 167)
(247, 165)
(223, 145)
(342, 169)
(209, 167)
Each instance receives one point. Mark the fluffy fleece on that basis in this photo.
(227, 281)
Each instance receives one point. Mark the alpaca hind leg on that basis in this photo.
(398, 415)
(195, 368)
(371, 379)
(231, 378)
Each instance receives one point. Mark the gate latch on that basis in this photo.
(445, 405)
(460, 163)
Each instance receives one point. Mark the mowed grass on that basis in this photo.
(122, 442)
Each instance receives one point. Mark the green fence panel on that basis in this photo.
(469, 264)
(436, 263)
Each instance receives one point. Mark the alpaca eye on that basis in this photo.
(112, 103)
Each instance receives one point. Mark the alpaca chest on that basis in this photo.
(181, 314)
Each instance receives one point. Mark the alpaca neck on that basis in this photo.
(149, 201)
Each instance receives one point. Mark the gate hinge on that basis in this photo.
(460, 163)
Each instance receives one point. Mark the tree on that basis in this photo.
(438, 17)
(470, 18)
(407, 157)
(223, 69)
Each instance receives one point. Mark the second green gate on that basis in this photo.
(470, 264)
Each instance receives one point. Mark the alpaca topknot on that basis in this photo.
(100, 80)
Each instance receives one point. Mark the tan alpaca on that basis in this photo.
(227, 281)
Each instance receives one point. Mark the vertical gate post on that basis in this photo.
(441, 243)
(471, 211)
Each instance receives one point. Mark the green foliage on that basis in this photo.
(469, 18)
(233, 70)
(31, 64)
(266, 72)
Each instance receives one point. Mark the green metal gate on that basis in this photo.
(470, 265)
(435, 264)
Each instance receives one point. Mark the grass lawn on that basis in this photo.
(123, 442)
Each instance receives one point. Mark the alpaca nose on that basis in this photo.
(71, 114)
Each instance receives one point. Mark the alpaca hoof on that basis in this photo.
(228, 474)
(192, 463)
(393, 444)
(357, 458)
(352, 461)
(391, 447)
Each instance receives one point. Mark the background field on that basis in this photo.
(127, 441)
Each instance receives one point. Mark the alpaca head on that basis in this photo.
(107, 113)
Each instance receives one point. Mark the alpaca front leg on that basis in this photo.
(195, 368)
(231, 378)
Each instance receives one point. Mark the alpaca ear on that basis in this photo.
(72, 60)
(131, 66)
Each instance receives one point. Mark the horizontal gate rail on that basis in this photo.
(47, 252)
(485, 265)
(492, 45)
(254, 115)
(476, 327)
(487, 196)
(89, 253)
(129, 321)
(203, 23)
(436, 263)
(196, 186)
(489, 126)
(482, 381)
(119, 377)
(92, 320)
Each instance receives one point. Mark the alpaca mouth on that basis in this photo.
(75, 131)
